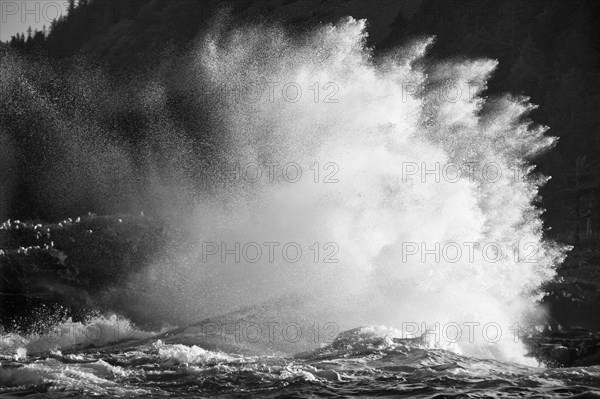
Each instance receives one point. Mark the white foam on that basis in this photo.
(190, 355)
(99, 331)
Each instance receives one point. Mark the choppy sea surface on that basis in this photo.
(359, 362)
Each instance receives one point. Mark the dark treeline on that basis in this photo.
(548, 50)
(125, 32)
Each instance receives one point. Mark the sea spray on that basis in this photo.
(387, 129)
(363, 189)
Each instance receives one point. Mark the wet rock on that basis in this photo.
(58, 270)
(565, 348)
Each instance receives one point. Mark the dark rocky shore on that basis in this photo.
(50, 272)
(577, 347)
(571, 336)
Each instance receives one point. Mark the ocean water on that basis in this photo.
(346, 190)
(363, 362)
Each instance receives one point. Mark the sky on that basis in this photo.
(18, 15)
